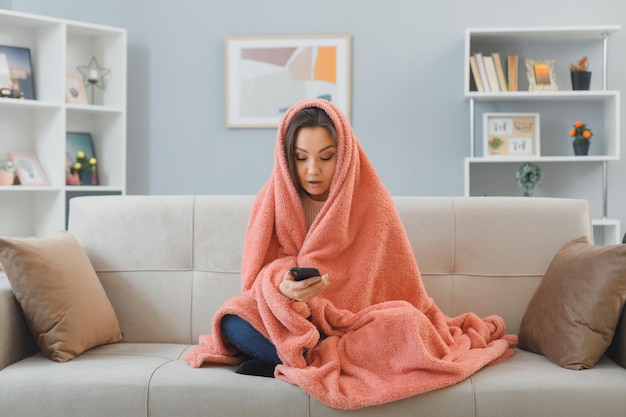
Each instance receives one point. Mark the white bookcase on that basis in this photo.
(57, 47)
(564, 175)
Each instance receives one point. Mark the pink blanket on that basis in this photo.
(374, 335)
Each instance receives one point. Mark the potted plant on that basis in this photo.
(581, 76)
(528, 176)
(582, 138)
(85, 168)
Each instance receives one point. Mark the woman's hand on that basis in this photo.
(303, 290)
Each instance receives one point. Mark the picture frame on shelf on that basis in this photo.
(266, 75)
(513, 135)
(28, 169)
(16, 72)
(541, 75)
(80, 142)
(75, 90)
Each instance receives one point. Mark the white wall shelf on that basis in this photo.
(543, 96)
(57, 48)
(598, 107)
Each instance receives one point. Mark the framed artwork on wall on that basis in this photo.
(28, 169)
(540, 74)
(511, 135)
(266, 75)
(16, 72)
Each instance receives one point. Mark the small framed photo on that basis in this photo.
(75, 89)
(540, 74)
(266, 75)
(16, 72)
(511, 135)
(28, 169)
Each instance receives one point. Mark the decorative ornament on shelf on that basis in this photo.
(528, 177)
(83, 172)
(7, 172)
(93, 75)
(581, 76)
(582, 135)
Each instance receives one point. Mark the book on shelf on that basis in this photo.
(512, 63)
(500, 70)
(493, 72)
(492, 75)
(482, 71)
(478, 82)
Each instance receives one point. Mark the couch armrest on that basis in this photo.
(16, 342)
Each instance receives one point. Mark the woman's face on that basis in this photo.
(316, 158)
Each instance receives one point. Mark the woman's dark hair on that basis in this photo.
(308, 117)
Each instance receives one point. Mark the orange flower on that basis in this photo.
(580, 132)
(580, 65)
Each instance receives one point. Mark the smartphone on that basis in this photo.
(303, 273)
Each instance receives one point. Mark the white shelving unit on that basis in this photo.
(57, 47)
(599, 108)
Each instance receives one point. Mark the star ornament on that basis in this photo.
(93, 74)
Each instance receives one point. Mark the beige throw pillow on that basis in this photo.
(61, 297)
(573, 314)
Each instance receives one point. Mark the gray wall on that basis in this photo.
(407, 84)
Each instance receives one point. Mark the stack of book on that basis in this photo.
(493, 73)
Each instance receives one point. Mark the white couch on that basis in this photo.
(168, 262)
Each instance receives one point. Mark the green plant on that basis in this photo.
(83, 164)
(495, 143)
(528, 176)
(580, 132)
(581, 65)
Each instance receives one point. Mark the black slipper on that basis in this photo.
(256, 367)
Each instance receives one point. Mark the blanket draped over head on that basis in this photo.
(373, 335)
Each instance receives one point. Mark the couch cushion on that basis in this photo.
(531, 385)
(110, 380)
(63, 301)
(574, 312)
(219, 391)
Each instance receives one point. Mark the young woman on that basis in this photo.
(311, 154)
(365, 332)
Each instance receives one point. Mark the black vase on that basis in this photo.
(581, 148)
(581, 80)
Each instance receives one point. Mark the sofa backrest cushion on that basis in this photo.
(169, 262)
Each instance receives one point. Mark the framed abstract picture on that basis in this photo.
(266, 75)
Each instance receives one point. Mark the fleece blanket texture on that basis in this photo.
(374, 335)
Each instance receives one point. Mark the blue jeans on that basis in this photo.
(248, 340)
